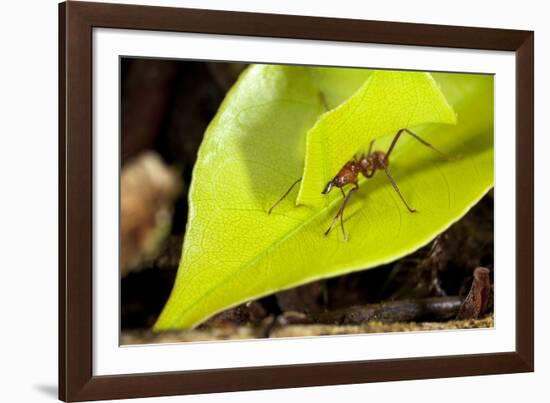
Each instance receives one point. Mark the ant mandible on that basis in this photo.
(367, 165)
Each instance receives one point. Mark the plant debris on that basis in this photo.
(300, 330)
(148, 189)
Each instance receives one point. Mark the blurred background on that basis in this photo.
(166, 106)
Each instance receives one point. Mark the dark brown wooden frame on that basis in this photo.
(76, 22)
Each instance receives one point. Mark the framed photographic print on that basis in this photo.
(252, 201)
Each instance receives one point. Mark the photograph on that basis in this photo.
(254, 200)
(264, 201)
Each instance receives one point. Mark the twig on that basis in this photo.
(427, 309)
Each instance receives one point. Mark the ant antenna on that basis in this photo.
(284, 195)
(325, 105)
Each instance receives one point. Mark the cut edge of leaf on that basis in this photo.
(451, 119)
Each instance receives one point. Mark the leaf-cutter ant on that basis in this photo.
(367, 165)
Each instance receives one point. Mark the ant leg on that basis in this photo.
(340, 213)
(424, 142)
(323, 101)
(365, 155)
(336, 216)
(390, 177)
(284, 195)
(343, 193)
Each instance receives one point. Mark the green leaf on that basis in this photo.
(387, 102)
(254, 149)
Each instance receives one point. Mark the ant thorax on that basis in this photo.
(371, 163)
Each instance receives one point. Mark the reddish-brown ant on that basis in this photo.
(367, 165)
